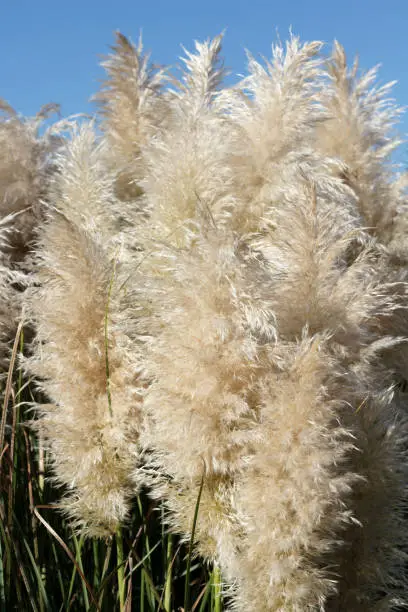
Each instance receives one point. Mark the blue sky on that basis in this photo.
(50, 50)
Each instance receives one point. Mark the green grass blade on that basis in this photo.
(57, 566)
(37, 571)
(120, 569)
(104, 580)
(20, 565)
(169, 567)
(69, 553)
(206, 597)
(191, 546)
(8, 388)
(78, 557)
(96, 569)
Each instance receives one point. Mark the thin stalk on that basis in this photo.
(69, 553)
(120, 568)
(104, 571)
(204, 597)
(41, 463)
(141, 561)
(13, 467)
(190, 550)
(57, 565)
(216, 584)
(96, 572)
(43, 600)
(169, 574)
(14, 452)
(33, 518)
(6, 557)
(148, 585)
(78, 549)
(152, 590)
(7, 391)
(20, 565)
(128, 602)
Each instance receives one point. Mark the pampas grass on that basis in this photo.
(218, 291)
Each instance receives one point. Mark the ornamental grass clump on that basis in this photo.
(219, 297)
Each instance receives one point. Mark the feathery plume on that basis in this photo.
(203, 374)
(188, 174)
(360, 132)
(272, 113)
(25, 170)
(132, 112)
(82, 355)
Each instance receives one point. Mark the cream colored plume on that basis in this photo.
(84, 357)
(132, 112)
(26, 150)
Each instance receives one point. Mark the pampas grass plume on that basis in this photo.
(81, 353)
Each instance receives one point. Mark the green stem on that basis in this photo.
(120, 569)
(206, 597)
(216, 581)
(108, 553)
(190, 550)
(78, 549)
(95, 550)
(169, 565)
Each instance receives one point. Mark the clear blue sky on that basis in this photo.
(50, 50)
